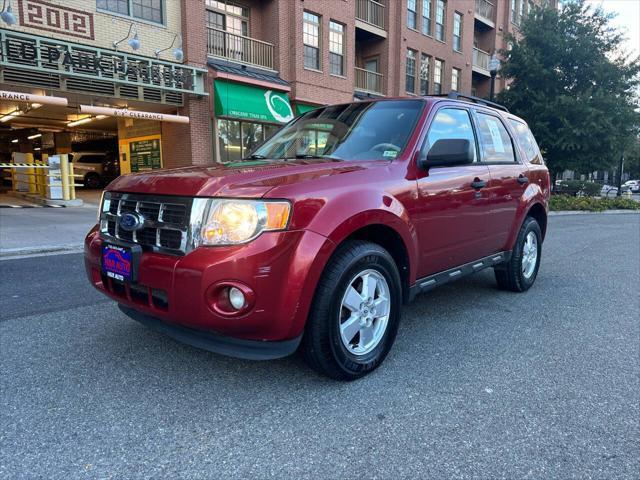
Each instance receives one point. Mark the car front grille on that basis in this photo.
(166, 220)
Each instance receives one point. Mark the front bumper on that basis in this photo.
(232, 347)
(282, 269)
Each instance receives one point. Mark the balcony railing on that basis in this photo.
(371, 12)
(481, 59)
(486, 9)
(367, 81)
(239, 48)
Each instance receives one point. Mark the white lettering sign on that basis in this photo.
(29, 98)
(126, 113)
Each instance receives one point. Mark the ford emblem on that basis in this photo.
(131, 221)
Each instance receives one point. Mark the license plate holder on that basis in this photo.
(120, 261)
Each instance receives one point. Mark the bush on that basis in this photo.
(591, 204)
(578, 188)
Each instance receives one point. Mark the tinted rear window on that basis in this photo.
(527, 142)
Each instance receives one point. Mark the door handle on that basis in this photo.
(522, 179)
(478, 184)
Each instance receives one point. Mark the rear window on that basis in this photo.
(527, 142)
(90, 159)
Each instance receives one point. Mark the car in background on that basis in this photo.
(632, 185)
(97, 168)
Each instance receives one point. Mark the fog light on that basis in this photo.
(236, 298)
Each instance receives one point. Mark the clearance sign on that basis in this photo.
(126, 113)
(29, 98)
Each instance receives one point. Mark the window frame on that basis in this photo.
(429, 19)
(457, 15)
(413, 12)
(319, 37)
(441, 83)
(406, 70)
(457, 76)
(428, 79)
(444, 21)
(514, 147)
(343, 54)
(129, 16)
(473, 129)
(225, 13)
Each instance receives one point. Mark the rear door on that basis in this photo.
(452, 202)
(508, 172)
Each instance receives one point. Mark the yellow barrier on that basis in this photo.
(37, 177)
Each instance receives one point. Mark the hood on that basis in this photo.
(249, 179)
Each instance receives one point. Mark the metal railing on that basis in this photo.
(486, 9)
(481, 59)
(370, 11)
(367, 81)
(251, 51)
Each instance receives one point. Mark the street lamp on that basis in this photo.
(494, 66)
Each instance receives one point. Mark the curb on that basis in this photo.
(560, 213)
(13, 253)
(34, 198)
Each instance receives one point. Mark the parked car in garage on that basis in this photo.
(97, 168)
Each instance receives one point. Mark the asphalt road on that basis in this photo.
(480, 383)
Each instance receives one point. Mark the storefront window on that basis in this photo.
(229, 140)
(237, 139)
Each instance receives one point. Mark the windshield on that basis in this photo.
(357, 131)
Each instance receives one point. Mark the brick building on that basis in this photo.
(261, 62)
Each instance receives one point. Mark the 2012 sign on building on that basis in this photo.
(47, 16)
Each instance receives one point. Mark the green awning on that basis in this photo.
(304, 108)
(251, 103)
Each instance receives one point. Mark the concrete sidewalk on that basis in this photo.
(31, 231)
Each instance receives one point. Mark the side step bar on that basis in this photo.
(432, 281)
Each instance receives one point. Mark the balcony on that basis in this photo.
(485, 12)
(370, 17)
(369, 82)
(481, 62)
(238, 48)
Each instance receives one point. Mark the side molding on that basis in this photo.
(432, 281)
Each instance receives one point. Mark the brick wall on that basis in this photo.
(107, 27)
(191, 144)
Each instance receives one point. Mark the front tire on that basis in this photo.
(520, 272)
(355, 312)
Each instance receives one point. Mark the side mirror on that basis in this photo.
(448, 152)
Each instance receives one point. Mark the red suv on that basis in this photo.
(318, 238)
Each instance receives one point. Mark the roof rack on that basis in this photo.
(471, 98)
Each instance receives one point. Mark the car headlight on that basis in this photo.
(235, 221)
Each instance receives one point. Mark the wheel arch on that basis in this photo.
(539, 213)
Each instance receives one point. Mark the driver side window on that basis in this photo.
(451, 123)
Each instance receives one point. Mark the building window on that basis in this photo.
(457, 32)
(522, 5)
(441, 7)
(514, 11)
(227, 16)
(149, 10)
(438, 67)
(426, 17)
(411, 14)
(238, 138)
(411, 71)
(336, 48)
(455, 79)
(311, 40)
(425, 60)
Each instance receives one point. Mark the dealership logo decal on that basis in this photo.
(272, 100)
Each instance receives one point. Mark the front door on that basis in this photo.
(509, 176)
(453, 205)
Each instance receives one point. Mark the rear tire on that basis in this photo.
(520, 272)
(355, 313)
